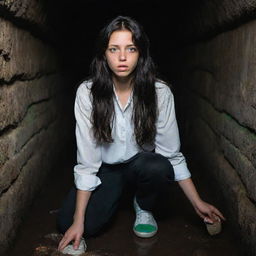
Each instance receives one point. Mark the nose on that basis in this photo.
(122, 55)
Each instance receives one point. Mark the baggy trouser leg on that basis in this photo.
(152, 173)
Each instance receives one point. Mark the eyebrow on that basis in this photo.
(116, 45)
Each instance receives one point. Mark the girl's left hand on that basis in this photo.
(208, 212)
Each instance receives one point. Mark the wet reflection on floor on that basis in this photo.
(144, 246)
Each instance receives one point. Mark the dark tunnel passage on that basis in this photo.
(205, 50)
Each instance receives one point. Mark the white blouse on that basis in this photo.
(90, 155)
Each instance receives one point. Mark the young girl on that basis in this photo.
(126, 133)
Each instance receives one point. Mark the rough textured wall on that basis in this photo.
(205, 17)
(31, 110)
(217, 77)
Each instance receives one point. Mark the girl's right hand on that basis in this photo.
(74, 233)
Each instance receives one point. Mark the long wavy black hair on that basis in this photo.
(143, 82)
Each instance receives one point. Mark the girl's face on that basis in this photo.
(122, 55)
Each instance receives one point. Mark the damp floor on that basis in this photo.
(181, 231)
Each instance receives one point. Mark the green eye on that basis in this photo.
(112, 49)
(132, 49)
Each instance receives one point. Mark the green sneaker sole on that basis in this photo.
(145, 230)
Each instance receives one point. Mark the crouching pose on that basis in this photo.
(126, 133)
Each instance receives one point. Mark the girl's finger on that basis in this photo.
(199, 213)
(208, 220)
(76, 243)
(60, 243)
(64, 242)
(220, 214)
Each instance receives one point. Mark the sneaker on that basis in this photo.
(69, 249)
(145, 225)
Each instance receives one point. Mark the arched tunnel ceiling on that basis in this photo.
(180, 17)
(77, 25)
(159, 15)
(169, 24)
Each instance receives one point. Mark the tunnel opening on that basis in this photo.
(205, 50)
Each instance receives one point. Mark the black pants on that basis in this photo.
(149, 173)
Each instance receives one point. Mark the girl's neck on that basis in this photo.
(122, 85)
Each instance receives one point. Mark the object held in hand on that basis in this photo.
(213, 228)
(69, 249)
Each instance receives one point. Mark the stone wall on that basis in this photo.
(206, 17)
(31, 110)
(217, 79)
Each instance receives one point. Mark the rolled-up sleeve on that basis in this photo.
(167, 142)
(88, 152)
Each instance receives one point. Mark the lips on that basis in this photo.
(122, 67)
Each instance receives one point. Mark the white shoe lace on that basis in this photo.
(144, 217)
